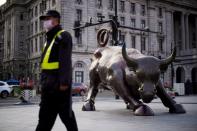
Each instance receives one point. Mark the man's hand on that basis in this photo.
(63, 87)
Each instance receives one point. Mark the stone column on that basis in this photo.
(173, 30)
(196, 29)
(187, 44)
(171, 76)
(169, 32)
(183, 31)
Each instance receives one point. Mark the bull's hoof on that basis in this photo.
(177, 109)
(88, 107)
(144, 110)
(129, 107)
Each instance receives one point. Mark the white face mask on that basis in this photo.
(48, 25)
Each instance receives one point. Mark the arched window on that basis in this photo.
(79, 65)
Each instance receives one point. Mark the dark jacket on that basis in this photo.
(62, 52)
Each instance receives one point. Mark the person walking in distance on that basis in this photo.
(56, 75)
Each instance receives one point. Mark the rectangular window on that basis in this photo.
(78, 2)
(160, 27)
(79, 14)
(41, 43)
(122, 6)
(111, 17)
(32, 46)
(21, 28)
(133, 8)
(79, 77)
(100, 17)
(36, 45)
(99, 3)
(36, 11)
(79, 40)
(21, 17)
(122, 20)
(99, 14)
(44, 4)
(160, 13)
(29, 14)
(9, 35)
(111, 4)
(41, 8)
(132, 22)
(28, 30)
(143, 43)
(143, 24)
(53, 2)
(32, 13)
(133, 41)
(143, 10)
(193, 40)
(20, 47)
(160, 41)
(36, 26)
(9, 48)
(32, 28)
(122, 37)
(41, 25)
(9, 20)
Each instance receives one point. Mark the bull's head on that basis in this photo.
(147, 70)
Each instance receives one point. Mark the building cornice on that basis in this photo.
(7, 8)
(179, 3)
(10, 6)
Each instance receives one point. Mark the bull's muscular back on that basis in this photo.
(110, 58)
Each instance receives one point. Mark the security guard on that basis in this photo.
(56, 77)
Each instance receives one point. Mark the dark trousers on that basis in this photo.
(53, 103)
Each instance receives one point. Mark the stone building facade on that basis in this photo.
(13, 39)
(1, 42)
(175, 20)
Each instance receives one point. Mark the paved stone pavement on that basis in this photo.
(111, 115)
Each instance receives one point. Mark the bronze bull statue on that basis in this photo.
(131, 75)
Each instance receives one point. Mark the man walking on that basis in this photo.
(56, 77)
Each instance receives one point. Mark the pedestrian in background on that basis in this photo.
(56, 77)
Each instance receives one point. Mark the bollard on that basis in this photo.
(27, 95)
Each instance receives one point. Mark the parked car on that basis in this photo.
(79, 89)
(5, 89)
(13, 82)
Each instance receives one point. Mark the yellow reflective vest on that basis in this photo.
(46, 65)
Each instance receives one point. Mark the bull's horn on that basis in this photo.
(131, 62)
(170, 59)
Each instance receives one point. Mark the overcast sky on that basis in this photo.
(2, 2)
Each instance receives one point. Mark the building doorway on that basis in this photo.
(180, 75)
(194, 80)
